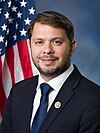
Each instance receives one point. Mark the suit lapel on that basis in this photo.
(64, 96)
(30, 91)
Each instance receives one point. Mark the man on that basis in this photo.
(73, 102)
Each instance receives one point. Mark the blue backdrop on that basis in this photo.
(85, 16)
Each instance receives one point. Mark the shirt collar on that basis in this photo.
(58, 81)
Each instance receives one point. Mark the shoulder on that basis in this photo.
(84, 85)
(23, 89)
(89, 89)
(88, 83)
(27, 81)
(25, 85)
(84, 81)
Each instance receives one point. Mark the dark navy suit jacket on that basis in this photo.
(79, 111)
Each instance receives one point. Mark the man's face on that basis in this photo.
(51, 51)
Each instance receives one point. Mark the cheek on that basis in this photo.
(35, 52)
(62, 53)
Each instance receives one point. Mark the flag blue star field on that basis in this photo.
(15, 60)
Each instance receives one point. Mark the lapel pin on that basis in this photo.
(57, 104)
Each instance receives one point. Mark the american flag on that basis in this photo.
(15, 60)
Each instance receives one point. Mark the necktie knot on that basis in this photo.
(45, 89)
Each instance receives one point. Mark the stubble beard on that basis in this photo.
(53, 72)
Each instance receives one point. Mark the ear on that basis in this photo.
(73, 47)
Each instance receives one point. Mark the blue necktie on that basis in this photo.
(42, 110)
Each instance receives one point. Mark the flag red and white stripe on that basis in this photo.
(15, 65)
(15, 60)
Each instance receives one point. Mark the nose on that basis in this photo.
(48, 48)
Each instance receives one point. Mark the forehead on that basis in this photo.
(47, 30)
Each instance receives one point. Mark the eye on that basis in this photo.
(57, 42)
(38, 43)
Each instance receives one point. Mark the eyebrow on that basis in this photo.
(54, 38)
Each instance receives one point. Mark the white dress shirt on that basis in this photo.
(56, 83)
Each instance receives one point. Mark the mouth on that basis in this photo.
(48, 60)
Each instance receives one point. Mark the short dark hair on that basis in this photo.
(53, 19)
